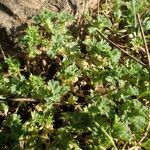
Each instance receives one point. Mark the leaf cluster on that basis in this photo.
(92, 99)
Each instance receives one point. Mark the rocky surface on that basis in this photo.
(15, 13)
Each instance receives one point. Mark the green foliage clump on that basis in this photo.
(78, 92)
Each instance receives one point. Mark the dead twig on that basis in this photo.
(122, 50)
(19, 99)
(146, 131)
(144, 40)
(2, 52)
(98, 5)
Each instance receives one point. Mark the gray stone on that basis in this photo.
(14, 14)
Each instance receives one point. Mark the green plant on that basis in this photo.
(83, 93)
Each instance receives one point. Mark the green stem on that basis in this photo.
(104, 131)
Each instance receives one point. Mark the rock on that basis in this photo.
(15, 13)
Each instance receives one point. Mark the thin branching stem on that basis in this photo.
(144, 40)
(122, 50)
(110, 138)
(146, 131)
(2, 52)
(19, 99)
(98, 5)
